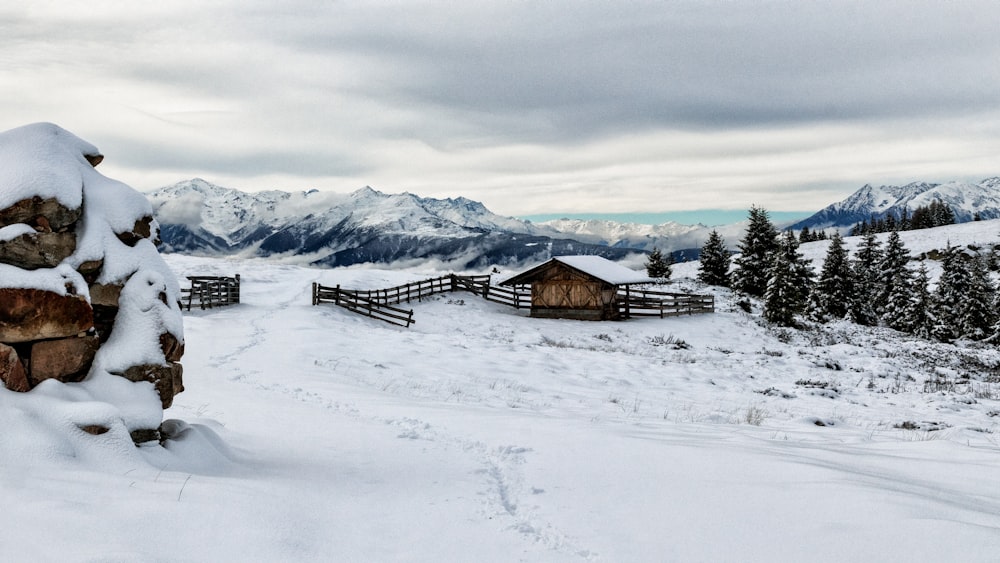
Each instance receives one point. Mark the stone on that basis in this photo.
(105, 294)
(65, 359)
(141, 230)
(37, 250)
(165, 379)
(91, 270)
(94, 429)
(144, 435)
(94, 159)
(178, 373)
(12, 370)
(172, 348)
(57, 217)
(37, 314)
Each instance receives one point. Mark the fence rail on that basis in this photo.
(379, 303)
(211, 291)
(647, 303)
(357, 302)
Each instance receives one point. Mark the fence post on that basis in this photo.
(336, 295)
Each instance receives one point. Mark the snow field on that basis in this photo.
(313, 434)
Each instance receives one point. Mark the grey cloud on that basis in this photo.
(593, 69)
(263, 159)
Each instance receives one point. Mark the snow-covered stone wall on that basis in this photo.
(88, 309)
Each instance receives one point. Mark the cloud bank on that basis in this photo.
(530, 107)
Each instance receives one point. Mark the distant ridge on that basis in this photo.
(965, 199)
(366, 226)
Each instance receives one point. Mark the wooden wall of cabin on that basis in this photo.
(574, 298)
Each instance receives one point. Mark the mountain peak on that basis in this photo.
(966, 200)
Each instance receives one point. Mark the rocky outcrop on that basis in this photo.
(61, 293)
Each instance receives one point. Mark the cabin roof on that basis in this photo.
(593, 266)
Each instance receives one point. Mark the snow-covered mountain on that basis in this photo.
(669, 236)
(322, 228)
(965, 199)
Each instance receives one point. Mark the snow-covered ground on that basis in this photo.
(479, 434)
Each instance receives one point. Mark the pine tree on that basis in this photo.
(892, 270)
(756, 250)
(834, 292)
(918, 315)
(714, 267)
(867, 282)
(805, 235)
(789, 281)
(955, 282)
(976, 314)
(658, 266)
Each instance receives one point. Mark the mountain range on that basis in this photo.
(335, 229)
(332, 229)
(967, 200)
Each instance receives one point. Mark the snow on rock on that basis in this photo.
(45, 161)
(94, 367)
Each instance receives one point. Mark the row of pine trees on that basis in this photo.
(873, 287)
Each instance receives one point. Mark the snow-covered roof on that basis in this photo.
(595, 266)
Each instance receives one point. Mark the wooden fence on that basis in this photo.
(211, 291)
(379, 303)
(357, 302)
(645, 303)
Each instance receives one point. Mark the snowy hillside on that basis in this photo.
(965, 199)
(332, 229)
(313, 434)
(982, 234)
(665, 236)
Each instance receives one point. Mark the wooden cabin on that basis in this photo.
(577, 287)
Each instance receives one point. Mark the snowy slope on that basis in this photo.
(665, 236)
(323, 228)
(965, 199)
(482, 434)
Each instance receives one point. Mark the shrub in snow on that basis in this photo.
(88, 309)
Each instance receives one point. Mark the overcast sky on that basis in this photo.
(530, 107)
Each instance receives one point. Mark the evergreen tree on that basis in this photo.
(714, 267)
(918, 315)
(805, 235)
(789, 281)
(941, 213)
(756, 250)
(867, 282)
(892, 270)
(955, 282)
(976, 313)
(834, 292)
(658, 266)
